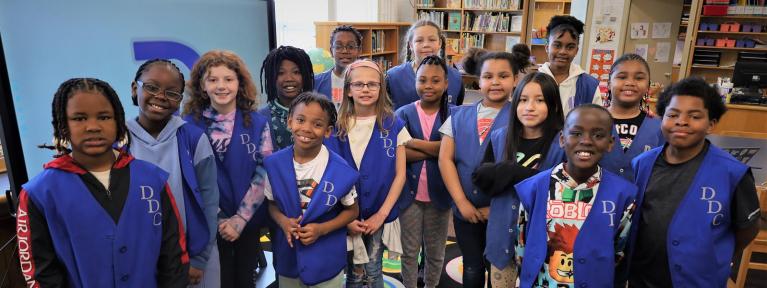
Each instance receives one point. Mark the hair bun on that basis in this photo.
(471, 60)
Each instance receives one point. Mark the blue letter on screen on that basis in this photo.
(145, 50)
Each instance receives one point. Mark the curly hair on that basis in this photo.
(560, 24)
(696, 87)
(247, 94)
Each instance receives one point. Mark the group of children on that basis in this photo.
(340, 154)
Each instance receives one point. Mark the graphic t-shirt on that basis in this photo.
(628, 128)
(220, 130)
(529, 153)
(336, 89)
(485, 118)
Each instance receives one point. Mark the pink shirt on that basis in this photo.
(427, 123)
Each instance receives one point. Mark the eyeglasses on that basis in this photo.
(357, 86)
(345, 47)
(154, 90)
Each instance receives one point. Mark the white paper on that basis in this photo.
(678, 52)
(640, 30)
(641, 50)
(662, 51)
(661, 30)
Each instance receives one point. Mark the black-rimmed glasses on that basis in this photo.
(154, 90)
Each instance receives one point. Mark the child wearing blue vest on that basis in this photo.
(697, 204)
(574, 217)
(636, 130)
(312, 198)
(345, 46)
(424, 203)
(371, 139)
(96, 216)
(285, 73)
(183, 151)
(461, 151)
(424, 38)
(221, 100)
(529, 143)
(576, 86)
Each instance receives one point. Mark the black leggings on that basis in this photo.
(471, 240)
(239, 259)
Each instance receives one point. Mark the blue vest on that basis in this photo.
(700, 240)
(241, 160)
(326, 257)
(504, 208)
(377, 168)
(401, 85)
(95, 251)
(594, 248)
(585, 87)
(323, 83)
(468, 151)
(649, 136)
(438, 194)
(197, 231)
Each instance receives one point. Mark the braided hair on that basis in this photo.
(346, 28)
(411, 31)
(146, 65)
(61, 135)
(437, 61)
(247, 94)
(614, 69)
(270, 68)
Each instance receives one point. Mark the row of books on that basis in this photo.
(455, 4)
(382, 62)
(472, 40)
(379, 41)
(452, 45)
(493, 4)
(493, 22)
(446, 20)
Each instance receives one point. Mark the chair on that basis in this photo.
(759, 244)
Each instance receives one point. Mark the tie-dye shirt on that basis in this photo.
(278, 123)
(220, 133)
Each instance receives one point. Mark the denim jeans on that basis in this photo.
(471, 240)
(373, 274)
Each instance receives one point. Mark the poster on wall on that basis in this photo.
(661, 30)
(662, 51)
(601, 61)
(641, 50)
(639, 30)
(605, 28)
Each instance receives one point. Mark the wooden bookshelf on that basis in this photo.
(467, 23)
(542, 11)
(380, 40)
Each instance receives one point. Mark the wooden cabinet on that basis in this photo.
(380, 40)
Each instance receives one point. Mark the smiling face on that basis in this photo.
(561, 50)
(532, 109)
(629, 83)
(430, 83)
(309, 125)
(685, 122)
(586, 138)
(289, 81)
(367, 95)
(91, 126)
(221, 85)
(156, 108)
(425, 42)
(496, 80)
(342, 55)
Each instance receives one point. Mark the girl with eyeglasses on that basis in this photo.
(182, 150)
(371, 139)
(424, 38)
(221, 100)
(345, 45)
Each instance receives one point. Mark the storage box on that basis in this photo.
(714, 10)
(749, 10)
(730, 27)
(718, 2)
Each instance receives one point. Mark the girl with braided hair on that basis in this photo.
(183, 151)
(285, 73)
(96, 216)
(222, 96)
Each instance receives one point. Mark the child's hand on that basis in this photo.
(195, 276)
(309, 233)
(228, 232)
(290, 228)
(469, 212)
(356, 227)
(374, 223)
(485, 213)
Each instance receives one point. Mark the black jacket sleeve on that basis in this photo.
(173, 265)
(39, 264)
(495, 178)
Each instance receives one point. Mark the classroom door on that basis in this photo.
(653, 29)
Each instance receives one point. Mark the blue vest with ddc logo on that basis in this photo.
(468, 151)
(700, 240)
(401, 85)
(438, 194)
(594, 248)
(241, 160)
(504, 208)
(323, 83)
(197, 232)
(95, 251)
(325, 258)
(377, 168)
(648, 137)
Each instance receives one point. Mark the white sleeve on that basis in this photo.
(403, 136)
(348, 200)
(598, 98)
(268, 189)
(447, 128)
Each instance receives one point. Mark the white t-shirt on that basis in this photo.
(336, 89)
(485, 118)
(308, 176)
(359, 136)
(568, 87)
(103, 177)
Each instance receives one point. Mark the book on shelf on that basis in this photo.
(454, 4)
(492, 22)
(433, 16)
(378, 40)
(516, 23)
(454, 21)
(452, 45)
(492, 4)
(510, 42)
(424, 3)
(472, 40)
(382, 62)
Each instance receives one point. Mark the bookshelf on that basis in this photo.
(684, 22)
(380, 40)
(543, 10)
(712, 62)
(490, 24)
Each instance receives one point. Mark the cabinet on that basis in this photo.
(380, 40)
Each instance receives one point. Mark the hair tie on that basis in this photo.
(364, 63)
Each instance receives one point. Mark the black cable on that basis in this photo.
(10, 258)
